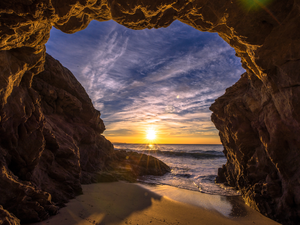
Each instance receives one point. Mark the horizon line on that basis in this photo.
(158, 143)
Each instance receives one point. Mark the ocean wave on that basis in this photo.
(197, 155)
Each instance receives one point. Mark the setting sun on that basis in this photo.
(151, 134)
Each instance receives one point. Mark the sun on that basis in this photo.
(151, 134)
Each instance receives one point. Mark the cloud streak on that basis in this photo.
(166, 78)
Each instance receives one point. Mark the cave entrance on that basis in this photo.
(155, 87)
(160, 79)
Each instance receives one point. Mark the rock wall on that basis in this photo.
(50, 140)
(74, 148)
(262, 150)
(258, 118)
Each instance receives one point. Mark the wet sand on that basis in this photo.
(123, 203)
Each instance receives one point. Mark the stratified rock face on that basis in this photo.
(261, 143)
(73, 144)
(258, 118)
(50, 138)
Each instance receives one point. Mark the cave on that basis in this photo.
(47, 120)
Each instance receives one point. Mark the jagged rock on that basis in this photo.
(50, 133)
(261, 149)
(72, 133)
(8, 218)
(258, 118)
(22, 199)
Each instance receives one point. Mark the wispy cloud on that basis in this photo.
(167, 77)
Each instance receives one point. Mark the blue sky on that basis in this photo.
(163, 78)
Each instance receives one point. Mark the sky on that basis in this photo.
(162, 80)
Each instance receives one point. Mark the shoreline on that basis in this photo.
(119, 203)
(228, 206)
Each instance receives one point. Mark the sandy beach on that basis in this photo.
(124, 203)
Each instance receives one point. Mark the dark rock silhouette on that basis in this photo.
(50, 138)
(258, 117)
(57, 146)
(130, 165)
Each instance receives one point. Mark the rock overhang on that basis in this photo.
(266, 40)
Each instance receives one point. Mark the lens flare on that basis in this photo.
(259, 4)
(255, 4)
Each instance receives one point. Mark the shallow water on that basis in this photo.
(229, 206)
(194, 167)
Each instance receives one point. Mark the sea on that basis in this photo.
(194, 167)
